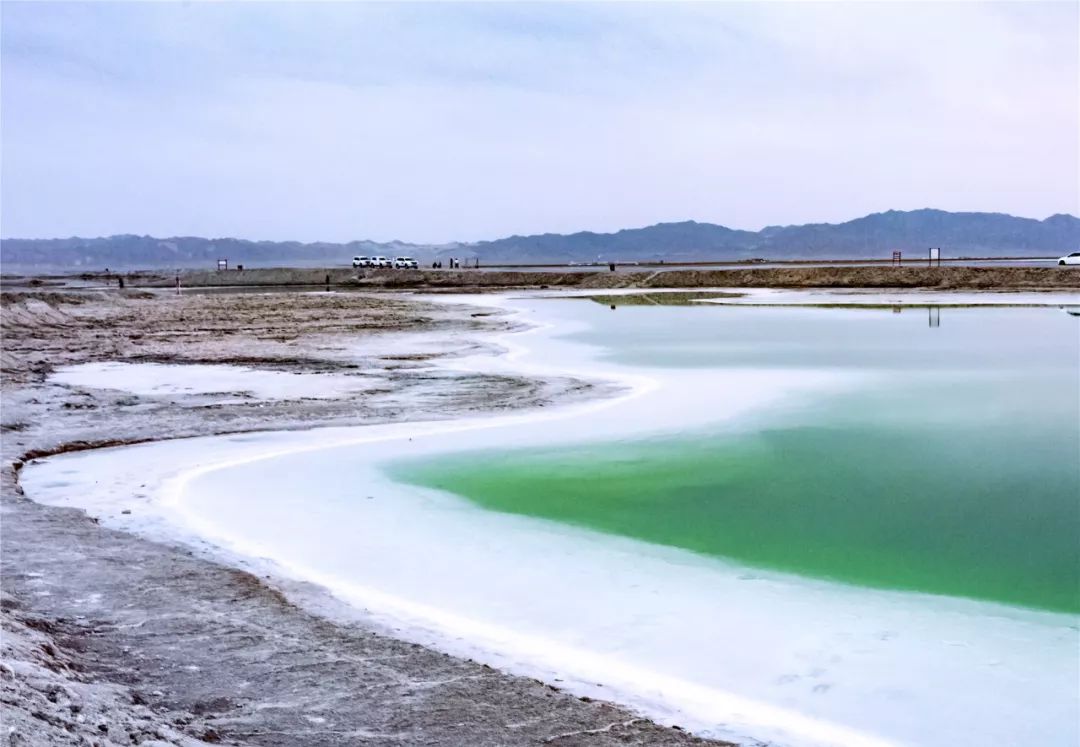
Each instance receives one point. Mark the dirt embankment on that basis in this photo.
(45, 329)
(939, 278)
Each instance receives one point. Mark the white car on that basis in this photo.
(1070, 259)
(406, 263)
(381, 262)
(361, 262)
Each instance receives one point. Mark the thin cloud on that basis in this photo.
(457, 122)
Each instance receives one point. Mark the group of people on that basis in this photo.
(455, 264)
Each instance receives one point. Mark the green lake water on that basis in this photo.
(955, 470)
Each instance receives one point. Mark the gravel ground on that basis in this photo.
(111, 639)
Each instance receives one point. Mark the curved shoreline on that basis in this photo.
(171, 489)
(231, 658)
(447, 626)
(175, 487)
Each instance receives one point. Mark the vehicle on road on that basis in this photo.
(381, 262)
(406, 263)
(1070, 259)
(361, 262)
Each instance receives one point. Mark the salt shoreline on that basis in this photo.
(636, 389)
(203, 651)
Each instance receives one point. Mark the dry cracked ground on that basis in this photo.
(112, 639)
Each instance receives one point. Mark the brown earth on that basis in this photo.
(939, 278)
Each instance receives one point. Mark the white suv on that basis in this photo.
(1070, 259)
(361, 262)
(406, 263)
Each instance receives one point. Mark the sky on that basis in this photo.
(442, 122)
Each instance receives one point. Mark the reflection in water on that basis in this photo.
(934, 314)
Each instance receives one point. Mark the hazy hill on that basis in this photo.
(877, 235)
(873, 236)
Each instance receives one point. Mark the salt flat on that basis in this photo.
(174, 380)
(730, 651)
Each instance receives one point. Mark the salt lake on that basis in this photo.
(792, 524)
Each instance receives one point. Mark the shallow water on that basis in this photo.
(958, 474)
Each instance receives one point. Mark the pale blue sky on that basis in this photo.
(439, 122)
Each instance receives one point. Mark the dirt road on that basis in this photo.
(940, 278)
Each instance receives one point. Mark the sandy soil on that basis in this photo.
(113, 639)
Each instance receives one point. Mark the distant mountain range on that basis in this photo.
(873, 236)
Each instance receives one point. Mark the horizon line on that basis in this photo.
(527, 235)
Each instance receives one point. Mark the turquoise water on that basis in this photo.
(956, 471)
